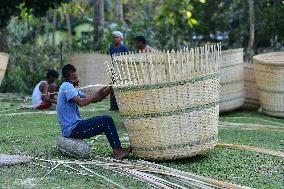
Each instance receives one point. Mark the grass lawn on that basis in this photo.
(36, 134)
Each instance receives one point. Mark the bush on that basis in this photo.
(29, 64)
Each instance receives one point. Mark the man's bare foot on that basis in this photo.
(120, 153)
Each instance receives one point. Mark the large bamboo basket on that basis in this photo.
(92, 70)
(169, 101)
(251, 93)
(232, 80)
(4, 58)
(269, 72)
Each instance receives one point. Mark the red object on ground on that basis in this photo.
(44, 106)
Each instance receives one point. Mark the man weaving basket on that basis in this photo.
(72, 125)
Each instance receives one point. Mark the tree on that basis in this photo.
(119, 10)
(10, 7)
(98, 23)
(3, 43)
(251, 28)
(173, 21)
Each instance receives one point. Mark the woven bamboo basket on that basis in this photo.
(92, 70)
(269, 73)
(169, 101)
(4, 58)
(251, 93)
(232, 80)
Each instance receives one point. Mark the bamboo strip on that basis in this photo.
(251, 127)
(252, 149)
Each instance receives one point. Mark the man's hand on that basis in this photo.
(99, 96)
(102, 93)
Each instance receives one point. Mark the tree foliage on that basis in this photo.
(9, 8)
(165, 24)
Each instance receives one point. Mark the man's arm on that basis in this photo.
(45, 96)
(99, 96)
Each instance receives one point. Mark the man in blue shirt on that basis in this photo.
(72, 125)
(116, 48)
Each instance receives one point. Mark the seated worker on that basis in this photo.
(141, 44)
(43, 93)
(116, 48)
(72, 125)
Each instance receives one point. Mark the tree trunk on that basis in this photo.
(274, 33)
(98, 23)
(46, 30)
(68, 23)
(3, 43)
(119, 10)
(251, 29)
(54, 26)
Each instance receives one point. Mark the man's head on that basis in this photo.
(117, 37)
(52, 76)
(69, 73)
(140, 42)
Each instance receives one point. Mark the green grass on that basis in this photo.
(251, 117)
(36, 134)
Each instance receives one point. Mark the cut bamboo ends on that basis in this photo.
(269, 72)
(251, 93)
(169, 101)
(91, 68)
(232, 80)
(4, 58)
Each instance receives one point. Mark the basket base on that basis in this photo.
(176, 153)
(231, 105)
(278, 114)
(251, 105)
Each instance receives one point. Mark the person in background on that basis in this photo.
(43, 93)
(141, 45)
(116, 48)
(71, 123)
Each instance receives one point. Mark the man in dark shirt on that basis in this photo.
(116, 48)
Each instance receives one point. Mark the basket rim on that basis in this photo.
(257, 59)
(229, 51)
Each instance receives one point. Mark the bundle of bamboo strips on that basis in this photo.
(149, 173)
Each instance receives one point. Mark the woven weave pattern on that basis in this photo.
(269, 72)
(232, 80)
(169, 101)
(91, 69)
(251, 93)
(3, 65)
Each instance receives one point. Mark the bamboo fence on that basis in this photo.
(91, 68)
(251, 93)
(232, 80)
(4, 58)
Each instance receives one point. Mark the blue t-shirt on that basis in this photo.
(120, 49)
(67, 110)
